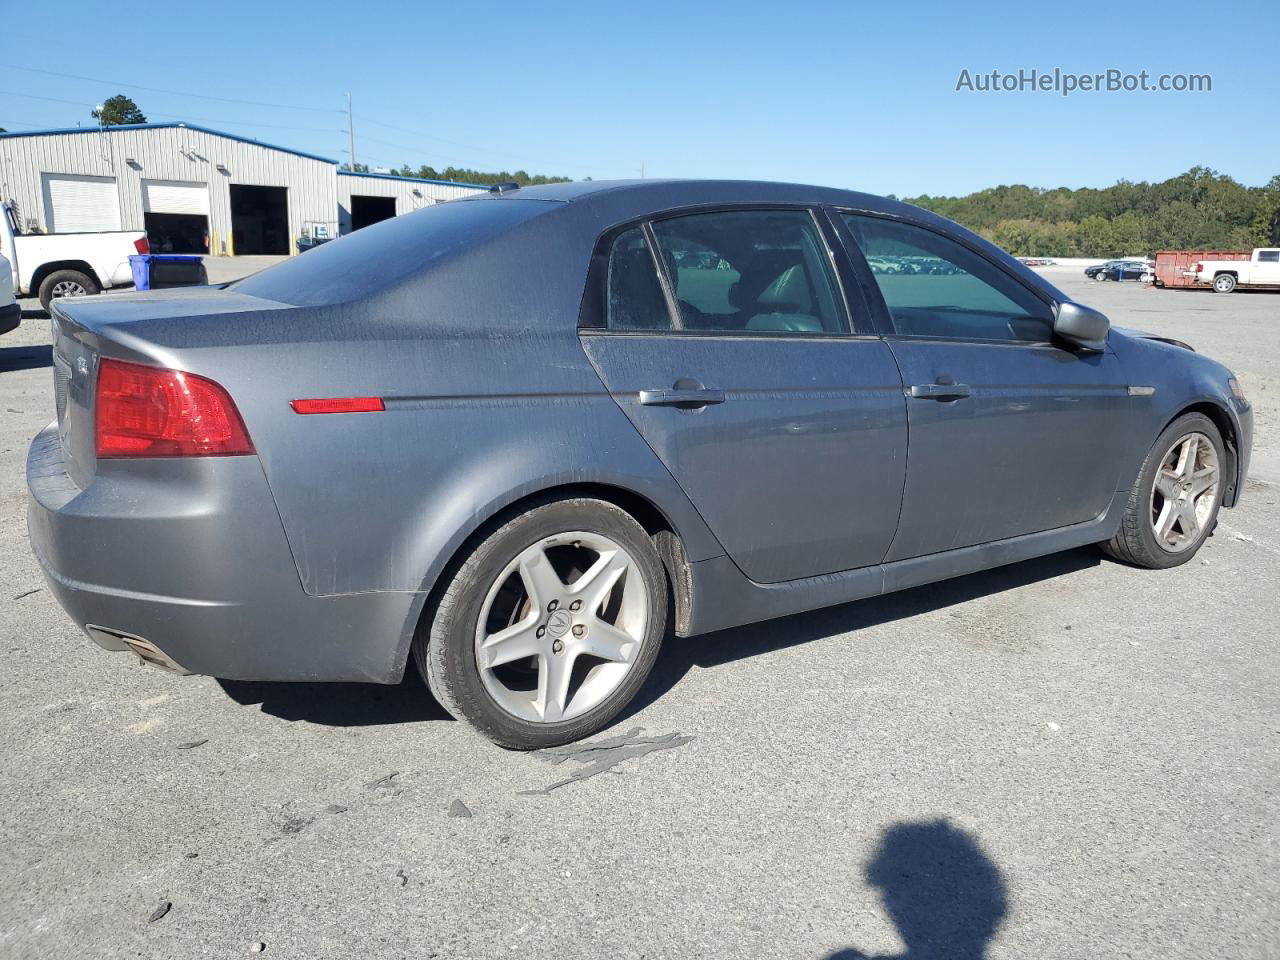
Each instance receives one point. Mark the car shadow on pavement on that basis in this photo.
(25, 358)
(372, 704)
(341, 704)
(944, 895)
(681, 654)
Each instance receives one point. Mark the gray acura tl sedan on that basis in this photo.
(523, 437)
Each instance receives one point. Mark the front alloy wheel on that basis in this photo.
(1173, 505)
(549, 627)
(1185, 493)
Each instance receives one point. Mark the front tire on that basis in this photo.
(66, 283)
(549, 627)
(1174, 504)
(1224, 283)
(1100, 276)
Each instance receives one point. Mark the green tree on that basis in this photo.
(1199, 209)
(1264, 230)
(118, 110)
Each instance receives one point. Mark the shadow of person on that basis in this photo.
(945, 896)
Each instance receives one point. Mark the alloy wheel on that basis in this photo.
(1184, 493)
(561, 627)
(68, 288)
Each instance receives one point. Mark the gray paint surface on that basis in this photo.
(464, 318)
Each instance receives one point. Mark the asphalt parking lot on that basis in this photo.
(1062, 758)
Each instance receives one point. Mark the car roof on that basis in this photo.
(657, 194)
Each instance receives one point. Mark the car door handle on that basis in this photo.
(940, 391)
(671, 397)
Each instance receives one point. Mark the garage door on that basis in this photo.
(175, 196)
(74, 204)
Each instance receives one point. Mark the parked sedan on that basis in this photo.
(514, 439)
(1120, 270)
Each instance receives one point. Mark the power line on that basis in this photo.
(32, 96)
(177, 93)
(457, 143)
(181, 117)
(491, 152)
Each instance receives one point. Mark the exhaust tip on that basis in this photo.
(145, 650)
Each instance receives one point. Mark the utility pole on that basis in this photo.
(351, 133)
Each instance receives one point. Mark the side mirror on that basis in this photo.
(1081, 325)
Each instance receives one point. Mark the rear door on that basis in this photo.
(1011, 432)
(725, 338)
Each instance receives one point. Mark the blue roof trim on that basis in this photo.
(392, 176)
(164, 126)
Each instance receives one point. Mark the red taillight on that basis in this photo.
(339, 405)
(150, 412)
(142, 244)
(1199, 268)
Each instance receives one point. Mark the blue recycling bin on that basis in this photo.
(156, 271)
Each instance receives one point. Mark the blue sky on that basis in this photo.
(845, 94)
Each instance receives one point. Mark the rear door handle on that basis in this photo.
(671, 397)
(940, 391)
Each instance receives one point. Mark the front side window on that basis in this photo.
(1269, 256)
(936, 287)
(750, 271)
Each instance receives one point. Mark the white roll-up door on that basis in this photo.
(76, 204)
(175, 196)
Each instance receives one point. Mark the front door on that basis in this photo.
(1267, 268)
(724, 338)
(1010, 432)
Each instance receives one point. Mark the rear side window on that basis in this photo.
(936, 287)
(378, 257)
(636, 299)
(749, 271)
(1269, 256)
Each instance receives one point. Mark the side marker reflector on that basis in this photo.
(338, 405)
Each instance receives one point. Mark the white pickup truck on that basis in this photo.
(10, 312)
(1260, 270)
(51, 265)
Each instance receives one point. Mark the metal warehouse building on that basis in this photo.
(196, 190)
(365, 198)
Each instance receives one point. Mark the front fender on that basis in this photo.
(1181, 380)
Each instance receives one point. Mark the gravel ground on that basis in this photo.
(1063, 758)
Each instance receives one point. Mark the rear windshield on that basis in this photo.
(380, 256)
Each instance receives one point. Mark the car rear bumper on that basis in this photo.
(10, 317)
(190, 558)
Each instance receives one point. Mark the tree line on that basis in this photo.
(1197, 210)
(465, 175)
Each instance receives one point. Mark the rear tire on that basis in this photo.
(66, 283)
(1224, 283)
(500, 606)
(1153, 538)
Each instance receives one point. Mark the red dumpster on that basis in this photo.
(1173, 266)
